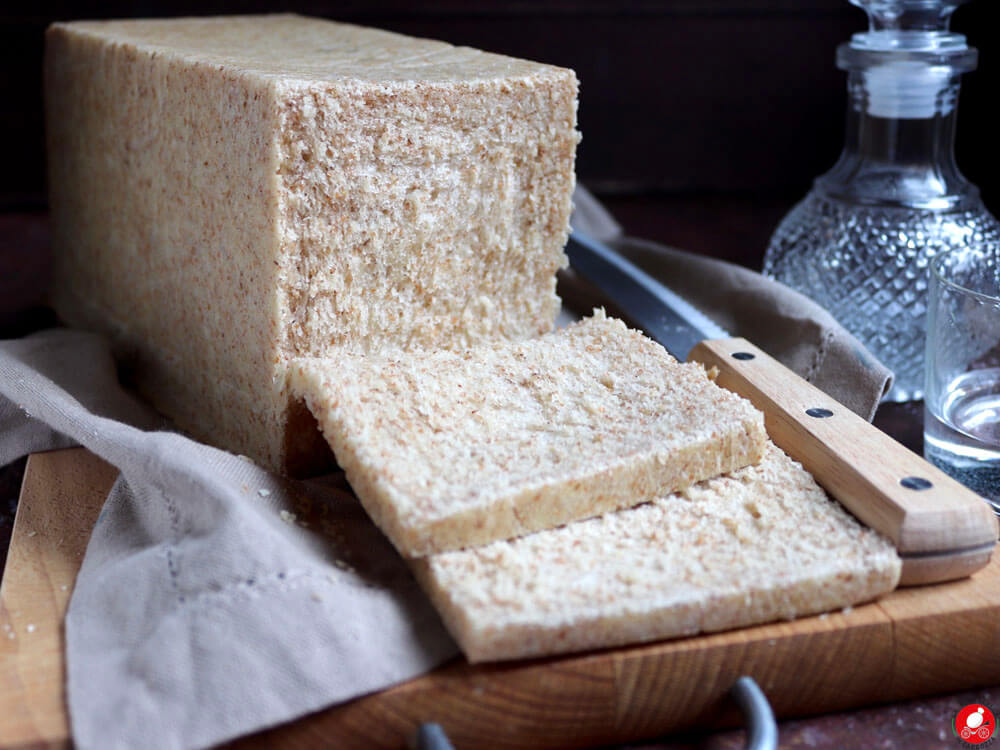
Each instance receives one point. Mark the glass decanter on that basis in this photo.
(860, 241)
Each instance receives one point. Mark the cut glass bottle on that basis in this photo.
(860, 241)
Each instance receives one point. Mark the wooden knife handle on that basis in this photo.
(946, 530)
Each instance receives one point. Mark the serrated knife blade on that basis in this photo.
(663, 315)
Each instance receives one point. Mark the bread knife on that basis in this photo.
(941, 529)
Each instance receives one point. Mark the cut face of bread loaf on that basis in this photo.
(230, 193)
(449, 450)
(763, 544)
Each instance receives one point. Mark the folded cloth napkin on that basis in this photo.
(204, 611)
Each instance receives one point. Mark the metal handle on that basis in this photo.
(762, 730)
(431, 736)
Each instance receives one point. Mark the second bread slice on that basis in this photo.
(762, 544)
(451, 450)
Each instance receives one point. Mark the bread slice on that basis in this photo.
(229, 193)
(763, 544)
(449, 450)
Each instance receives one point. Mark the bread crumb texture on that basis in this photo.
(764, 543)
(230, 193)
(454, 449)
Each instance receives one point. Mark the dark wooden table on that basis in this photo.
(730, 227)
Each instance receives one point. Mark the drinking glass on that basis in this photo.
(962, 369)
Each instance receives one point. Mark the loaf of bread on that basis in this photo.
(448, 450)
(230, 193)
(763, 544)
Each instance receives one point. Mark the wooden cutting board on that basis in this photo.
(917, 641)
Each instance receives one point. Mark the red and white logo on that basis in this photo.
(975, 724)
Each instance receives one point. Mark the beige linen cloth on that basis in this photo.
(203, 611)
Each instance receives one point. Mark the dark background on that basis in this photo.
(718, 112)
(703, 121)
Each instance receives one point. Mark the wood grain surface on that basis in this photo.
(55, 513)
(917, 641)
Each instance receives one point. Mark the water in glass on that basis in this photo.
(962, 432)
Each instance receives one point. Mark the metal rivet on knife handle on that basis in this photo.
(916, 483)
(819, 412)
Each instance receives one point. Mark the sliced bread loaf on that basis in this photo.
(763, 544)
(228, 193)
(449, 450)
